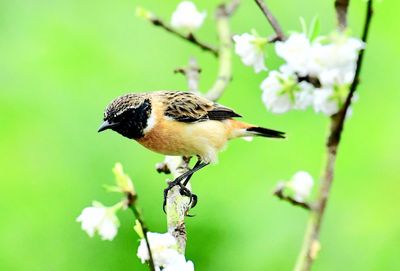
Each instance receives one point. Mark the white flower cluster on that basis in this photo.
(164, 252)
(331, 60)
(186, 16)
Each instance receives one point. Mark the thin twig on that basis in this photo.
(131, 203)
(341, 7)
(188, 37)
(279, 193)
(231, 7)
(162, 167)
(272, 20)
(192, 73)
(311, 239)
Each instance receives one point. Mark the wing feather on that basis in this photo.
(189, 107)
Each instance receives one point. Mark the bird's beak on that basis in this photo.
(107, 125)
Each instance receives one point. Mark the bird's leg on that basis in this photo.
(183, 190)
(190, 176)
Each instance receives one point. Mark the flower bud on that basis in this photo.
(123, 181)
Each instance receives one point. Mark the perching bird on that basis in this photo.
(178, 123)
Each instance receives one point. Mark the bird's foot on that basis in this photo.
(184, 191)
(193, 197)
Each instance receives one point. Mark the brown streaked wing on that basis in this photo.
(189, 107)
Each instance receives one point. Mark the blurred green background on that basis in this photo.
(63, 61)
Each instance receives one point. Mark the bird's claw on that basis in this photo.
(184, 191)
(193, 197)
(193, 201)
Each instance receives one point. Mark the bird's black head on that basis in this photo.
(127, 115)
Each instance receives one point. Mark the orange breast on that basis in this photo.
(171, 137)
(165, 138)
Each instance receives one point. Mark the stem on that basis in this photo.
(225, 51)
(132, 205)
(271, 19)
(311, 246)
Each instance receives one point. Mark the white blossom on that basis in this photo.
(187, 16)
(250, 48)
(282, 91)
(278, 92)
(101, 219)
(304, 96)
(333, 62)
(301, 183)
(296, 52)
(163, 249)
(336, 76)
(179, 264)
(325, 102)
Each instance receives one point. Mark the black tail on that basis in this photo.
(259, 131)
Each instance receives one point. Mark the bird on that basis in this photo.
(179, 123)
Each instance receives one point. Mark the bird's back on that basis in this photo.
(190, 107)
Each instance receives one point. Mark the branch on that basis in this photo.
(190, 37)
(279, 193)
(311, 239)
(177, 205)
(224, 11)
(131, 203)
(341, 7)
(334, 138)
(272, 20)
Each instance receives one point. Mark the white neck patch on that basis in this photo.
(151, 122)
